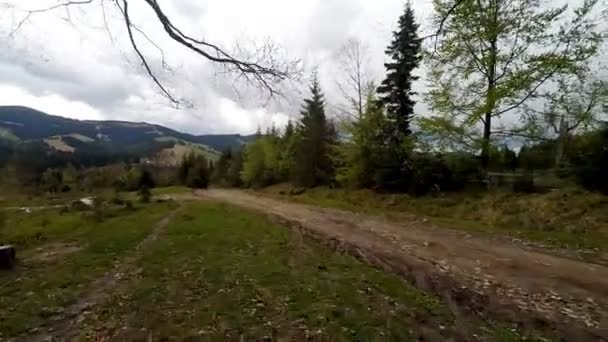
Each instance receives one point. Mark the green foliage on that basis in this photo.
(220, 171)
(503, 159)
(144, 194)
(52, 180)
(396, 90)
(261, 162)
(233, 177)
(312, 165)
(591, 162)
(194, 171)
(465, 168)
(145, 179)
(128, 179)
(494, 56)
(396, 96)
(357, 156)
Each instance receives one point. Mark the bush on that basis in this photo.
(129, 206)
(144, 195)
(194, 172)
(591, 162)
(428, 173)
(524, 184)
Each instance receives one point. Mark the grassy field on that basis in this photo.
(60, 253)
(216, 272)
(222, 273)
(571, 218)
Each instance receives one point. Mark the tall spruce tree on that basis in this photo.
(396, 90)
(395, 93)
(313, 165)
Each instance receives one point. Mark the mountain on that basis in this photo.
(22, 124)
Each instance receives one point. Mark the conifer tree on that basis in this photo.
(313, 165)
(396, 93)
(396, 90)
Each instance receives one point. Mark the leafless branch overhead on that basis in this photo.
(262, 69)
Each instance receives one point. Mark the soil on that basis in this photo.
(525, 285)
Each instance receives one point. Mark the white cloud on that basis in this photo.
(50, 103)
(79, 69)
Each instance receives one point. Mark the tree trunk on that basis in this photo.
(7, 257)
(490, 95)
(485, 147)
(561, 141)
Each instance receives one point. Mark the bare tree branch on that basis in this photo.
(442, 22)
(261, 68)
(125, 11)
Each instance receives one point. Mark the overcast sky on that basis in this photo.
(77, 69)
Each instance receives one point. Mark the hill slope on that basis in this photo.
(21, 124)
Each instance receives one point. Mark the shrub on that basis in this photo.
(144, 194)
(524, 184)
(591, 163)
(428, 173)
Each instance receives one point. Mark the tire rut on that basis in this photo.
(64, 327)
(474, 275)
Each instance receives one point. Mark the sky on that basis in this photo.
(70, 64)
(79, 63)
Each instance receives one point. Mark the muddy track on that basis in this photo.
(474, 275)
(65, 326)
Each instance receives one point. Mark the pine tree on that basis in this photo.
(313, 166)
(396, 90)
(395, 93)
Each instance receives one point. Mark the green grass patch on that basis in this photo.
(224, 273)
(570, 218)
(59, 254)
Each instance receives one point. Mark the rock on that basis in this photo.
(7, 257)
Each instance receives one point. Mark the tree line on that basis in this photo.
(491, 61)
(513, 87)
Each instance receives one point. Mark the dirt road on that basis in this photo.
(473, 274)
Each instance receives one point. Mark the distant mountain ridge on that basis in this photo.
(23, 124)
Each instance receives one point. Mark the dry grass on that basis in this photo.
(569, 218)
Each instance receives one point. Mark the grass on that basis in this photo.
(570, 218)
(171, 190)
(224, 273)
(10, 198)
(40, 287)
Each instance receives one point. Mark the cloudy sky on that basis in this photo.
(77, 68)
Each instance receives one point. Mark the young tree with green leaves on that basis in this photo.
(313, 165)
(492, 56)
(574, 105)
(357, 156)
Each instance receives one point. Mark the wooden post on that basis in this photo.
(7, 257)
